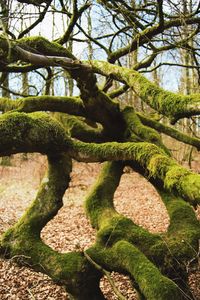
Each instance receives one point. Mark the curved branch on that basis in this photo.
(151, 158)
(74, 18)
(126, 257)
(41, 17)
(135, 129)
(69, 269)
(79, 129)
(146, 35)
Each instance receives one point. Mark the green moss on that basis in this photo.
(70, 269)
(174, 175)
(151, 158)
(134, 125)
(129, 260)
(36, 132)
(183, 232)
(99, 202)
(170, 131)
(167, 103)
(49, 198)
(151, 282)
(43, 46)
(117, 227)
(23, 239)
(6, 104)
(78, 128)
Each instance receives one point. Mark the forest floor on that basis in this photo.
(70, 229)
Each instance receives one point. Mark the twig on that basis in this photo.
(107, 274)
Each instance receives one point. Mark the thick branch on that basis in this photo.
(135, 129)
(23, 239)
(97, 103)
(161, 167)
(127, 258)
(180, 241)
(79, 129)
(36, 132)
(70, 105)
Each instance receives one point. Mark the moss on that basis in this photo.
(77, 127)
(49, 197)
(112, 226)
(160, 166)
(170, 131)
(134, 126)
(43, 46)
(151, 282)
(70, 269)
(174, 175)
(36, 132)
(6, 104)
(117, 227)
(23, 239)
(99, 202)
(183, 232)
(71, 105)
(167, 103)
(129, 260)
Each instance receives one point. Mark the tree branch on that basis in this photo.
(174, 133)
(70, 105)
(174, 106)
(151, 158)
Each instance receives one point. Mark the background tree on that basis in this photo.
(95, 126)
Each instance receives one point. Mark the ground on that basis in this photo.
(70, 230)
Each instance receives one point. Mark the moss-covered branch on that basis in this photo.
(127, 258)
(174, 133)
(135, 129)
(171, 252)
(35, 132)
(184, 228)
(111, 225)
(159, 166)
(38, 132)
(79, 128)
(70, 105)
(175, 106)
(119, 240)
(23, 240)
(98, 104)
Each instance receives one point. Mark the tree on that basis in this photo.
(95, 128)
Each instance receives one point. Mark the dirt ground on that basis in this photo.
(70, 230)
